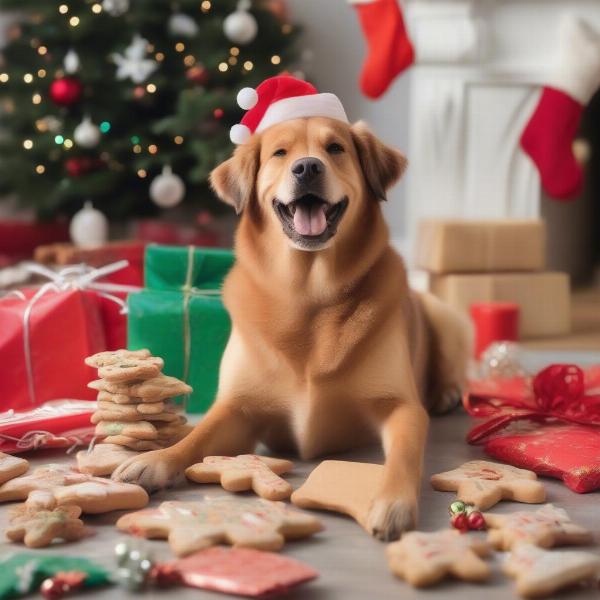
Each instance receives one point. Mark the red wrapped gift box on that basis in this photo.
(549, 423)
(45, 334)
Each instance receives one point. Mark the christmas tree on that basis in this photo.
(121, 101)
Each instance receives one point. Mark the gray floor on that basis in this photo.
(352, 565)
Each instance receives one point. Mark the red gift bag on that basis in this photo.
(45, 334)
(549, 423)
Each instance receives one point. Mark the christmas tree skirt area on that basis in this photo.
(352, 565)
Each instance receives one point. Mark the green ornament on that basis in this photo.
(457, 507)
(22, 573)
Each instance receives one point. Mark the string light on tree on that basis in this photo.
(71, 62)
(240, 26)
(199, 74)
(167, 189)
(182, 24)
(87, 134)
(89, 227)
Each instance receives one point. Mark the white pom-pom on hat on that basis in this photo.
(247, 98)
(239, 134)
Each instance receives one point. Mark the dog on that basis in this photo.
(329, 348)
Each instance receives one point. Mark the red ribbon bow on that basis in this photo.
(558, 392)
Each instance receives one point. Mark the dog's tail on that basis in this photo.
(451, 343)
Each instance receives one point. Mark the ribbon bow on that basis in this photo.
(559, 392)
(73, 277)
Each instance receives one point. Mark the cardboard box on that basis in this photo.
(543, 298)
(459, 246)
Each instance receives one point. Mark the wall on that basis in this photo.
(333, 35)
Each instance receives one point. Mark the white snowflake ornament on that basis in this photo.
(133, 64)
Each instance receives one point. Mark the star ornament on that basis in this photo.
(133, 64)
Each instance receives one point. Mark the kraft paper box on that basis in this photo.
(543, 298)
(459, 246)
(180, 316)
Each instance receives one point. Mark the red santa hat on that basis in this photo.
(280, 99)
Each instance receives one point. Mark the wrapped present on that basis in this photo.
(549, 423)
(180, 316)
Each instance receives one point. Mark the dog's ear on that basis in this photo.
(233, 181)
(381, 165)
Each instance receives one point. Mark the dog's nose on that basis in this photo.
(307, 169)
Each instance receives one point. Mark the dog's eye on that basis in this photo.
(335, 148)
(280, 152)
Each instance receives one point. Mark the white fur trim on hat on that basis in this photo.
(578, 71)
(298, 107)
(239, 134)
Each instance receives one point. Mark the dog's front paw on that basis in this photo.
(390, 517)
(154, 470)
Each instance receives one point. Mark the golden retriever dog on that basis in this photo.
(329, 348)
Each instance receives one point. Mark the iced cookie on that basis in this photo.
(127, 369)
(245, 472)
(133, 443)
(154, 389)
(140, 430)
(103, 459)
(56, 485)
(485, 483)
(112, 357)
(192, 526)
(546, 527)
(142, 407)
(168, 416)
(540, 573)
(38, 528)
(341, 486)
(422, 559)
(11, 467)
(114, 398)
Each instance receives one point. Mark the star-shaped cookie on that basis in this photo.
(540, 573)
(546, 527)
(11, 467)
(485, 483)
(245, 472)
(53, 485)
(422, 559)
(241, 522)
(37, 528)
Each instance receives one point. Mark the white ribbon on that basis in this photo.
(73, 277)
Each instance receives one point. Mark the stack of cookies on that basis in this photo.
(135, 406)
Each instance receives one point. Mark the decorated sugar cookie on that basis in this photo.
(244, 472)
(242, 522)
(422, 559)
(485, 483)
(52, 485)
(11, 467)
(548, 526)
(540, 573)
(37, 528)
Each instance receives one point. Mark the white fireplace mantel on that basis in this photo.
(476, 81)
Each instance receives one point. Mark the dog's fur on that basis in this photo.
(329, 348)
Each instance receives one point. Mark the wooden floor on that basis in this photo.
(586, 326)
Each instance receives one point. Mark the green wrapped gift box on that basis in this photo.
(180, 316)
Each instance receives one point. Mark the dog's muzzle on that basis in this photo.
(310, 221)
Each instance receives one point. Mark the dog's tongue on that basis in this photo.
(310, 220)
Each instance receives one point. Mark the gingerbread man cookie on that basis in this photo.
(49, 486)
(11, 467)
(485, 483)
(192, 526)
(423, 559)
(540, 573)
(103, 459)
(37, 528)
(546, 527)
(245, 472)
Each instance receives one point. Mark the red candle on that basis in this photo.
(494, 322)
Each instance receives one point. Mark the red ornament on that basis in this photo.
(218, 113)
(80, 165)
(66, 91)
(198, 74)
(61, 584)
(460, 521)
(475, 520)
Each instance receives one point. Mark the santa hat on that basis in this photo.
(280, 99)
